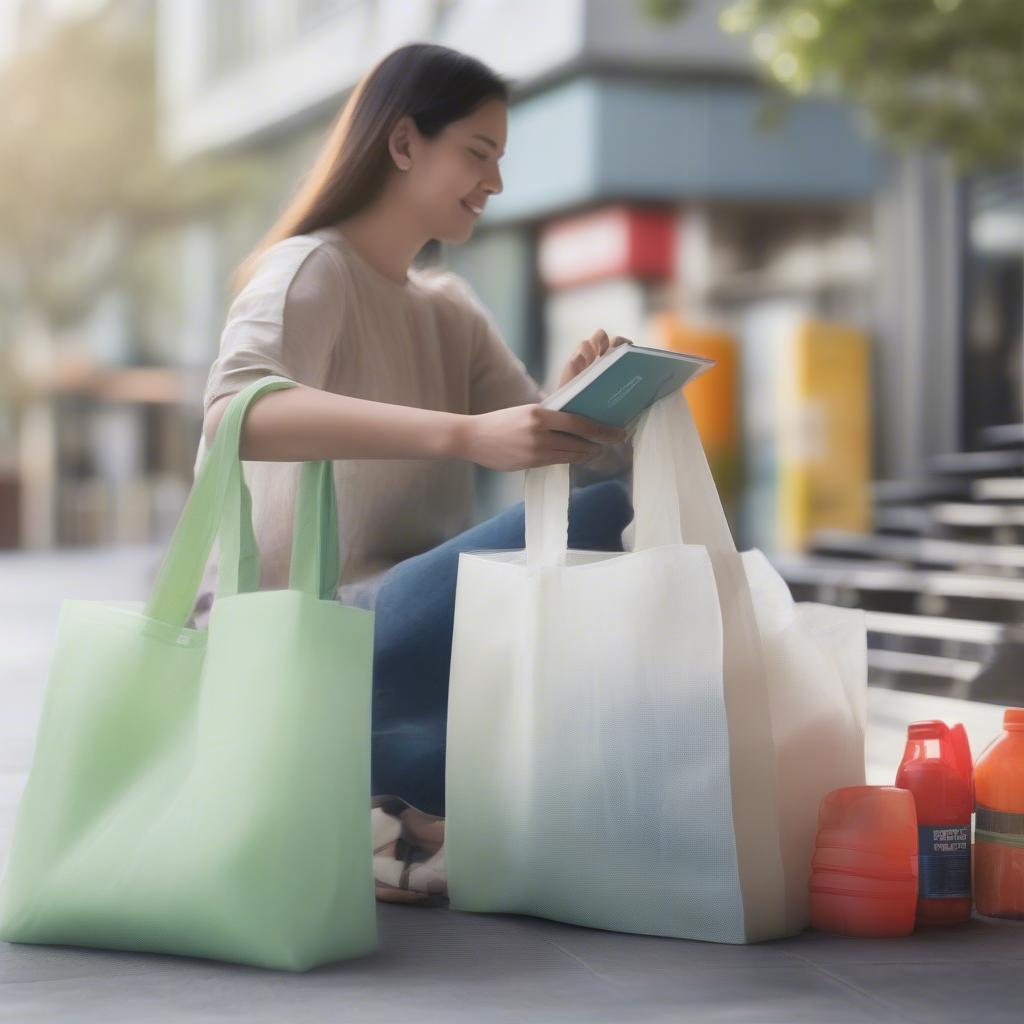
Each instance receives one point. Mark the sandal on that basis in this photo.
(408, 853)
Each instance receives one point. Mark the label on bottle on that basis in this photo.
(1006, 827)
(944, 861)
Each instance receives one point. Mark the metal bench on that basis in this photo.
(1005, 559)
(1004, 434)
(905, 492)
(891, 587)
(921, 673)
(980, 463)
(987, 522)
(998, 488)
(964, 658)
(913, 519)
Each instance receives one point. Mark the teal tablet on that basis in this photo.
(619, 385)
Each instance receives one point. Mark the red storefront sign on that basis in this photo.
(615, 241)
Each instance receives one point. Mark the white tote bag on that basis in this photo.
(639, 741)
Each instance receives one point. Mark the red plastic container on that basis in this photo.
(936, 768)
(860, 862)
(999, 822)
(864, 870)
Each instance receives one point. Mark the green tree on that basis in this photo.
(83, 182)
(942, 73)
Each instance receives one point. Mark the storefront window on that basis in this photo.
(993, 331)
(233, 29)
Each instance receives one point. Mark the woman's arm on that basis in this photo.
(303, 424)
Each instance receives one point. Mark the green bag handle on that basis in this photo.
(220, 501)
(238, 565)
(315, 553)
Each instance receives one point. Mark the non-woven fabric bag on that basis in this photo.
(639, 741)
(207, 793)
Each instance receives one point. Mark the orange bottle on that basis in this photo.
(936, 769)
(999, 821)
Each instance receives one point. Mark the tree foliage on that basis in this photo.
(942, 73)
(82, 177)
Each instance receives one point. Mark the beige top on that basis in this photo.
(317, 312)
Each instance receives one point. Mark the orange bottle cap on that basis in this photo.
(1013, 716)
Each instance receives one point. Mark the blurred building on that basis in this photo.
(95, 428)
(619, 124)
(642, 194)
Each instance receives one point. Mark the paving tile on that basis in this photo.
(437, 964)
(991, 991)
(651, 954)
(536, 987)
(980, 939)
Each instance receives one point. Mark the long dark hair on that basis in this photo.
(432, 84)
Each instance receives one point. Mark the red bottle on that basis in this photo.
(936, 768)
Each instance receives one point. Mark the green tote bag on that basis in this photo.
(207, 792)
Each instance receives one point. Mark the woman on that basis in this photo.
(403, 380)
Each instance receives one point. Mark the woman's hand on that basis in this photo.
(586, 352)
(524, 436)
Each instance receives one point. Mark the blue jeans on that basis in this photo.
(415, 609)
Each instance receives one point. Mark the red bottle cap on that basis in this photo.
(933, 729)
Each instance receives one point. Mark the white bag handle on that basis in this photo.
(547, 514)
(675, 500)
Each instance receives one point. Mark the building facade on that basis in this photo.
(616, 121)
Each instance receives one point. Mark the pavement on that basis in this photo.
(437, 964)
